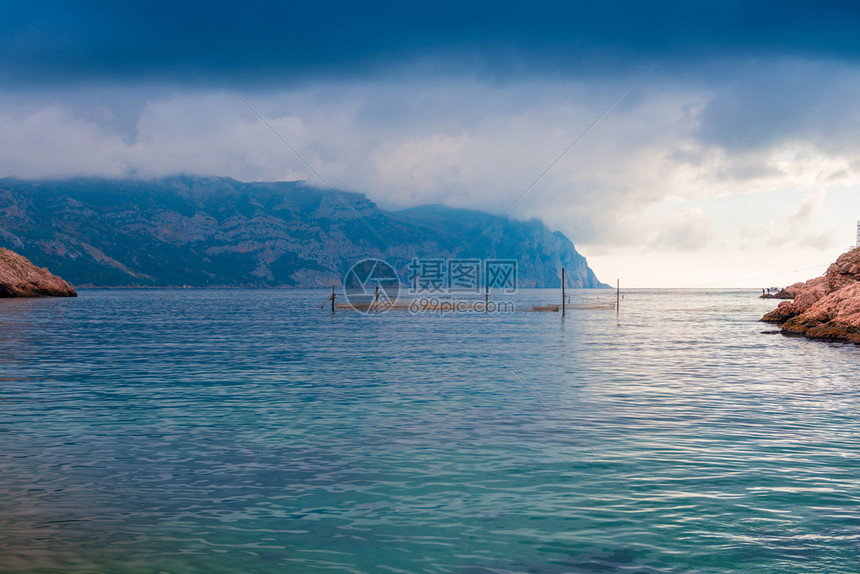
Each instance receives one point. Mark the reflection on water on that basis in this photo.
(126, 416)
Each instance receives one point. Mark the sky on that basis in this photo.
(731, 159)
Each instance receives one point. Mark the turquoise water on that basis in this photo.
(160, 431)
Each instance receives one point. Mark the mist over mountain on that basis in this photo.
(219, 232)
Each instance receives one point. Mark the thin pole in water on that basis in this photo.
(487, 297)
(617, 296)
(562, 291)
(376, 300)
(332, 299)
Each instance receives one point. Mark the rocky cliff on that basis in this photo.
(219, 232)
(827, 307)
(20, 278)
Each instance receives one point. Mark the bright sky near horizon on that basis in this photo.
(732, 161)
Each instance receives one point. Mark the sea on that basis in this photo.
(253, 431)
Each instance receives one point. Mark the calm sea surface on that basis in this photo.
(249, 431)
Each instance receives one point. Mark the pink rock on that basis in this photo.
(793, 290)
(20, 278)
(827, 307)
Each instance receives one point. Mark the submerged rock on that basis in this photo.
(827, 307)
(20, 278)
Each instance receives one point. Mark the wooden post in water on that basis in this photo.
(332, 300)
(376, 300)
(487, 297)
(617, 296)
(562, 291)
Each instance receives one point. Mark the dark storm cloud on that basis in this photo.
(54, 43)
(764, 105)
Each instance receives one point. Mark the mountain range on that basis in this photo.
(218, 232)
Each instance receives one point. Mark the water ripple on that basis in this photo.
(125, 416)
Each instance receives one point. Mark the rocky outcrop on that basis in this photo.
(20, 278)
(827, 307)
(781, 294)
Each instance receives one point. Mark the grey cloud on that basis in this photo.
(769, 103)
(270, 42)
(462, 142)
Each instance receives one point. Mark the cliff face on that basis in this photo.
(827, 307)
(20, 278)
(210, 231)
(540, 252)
